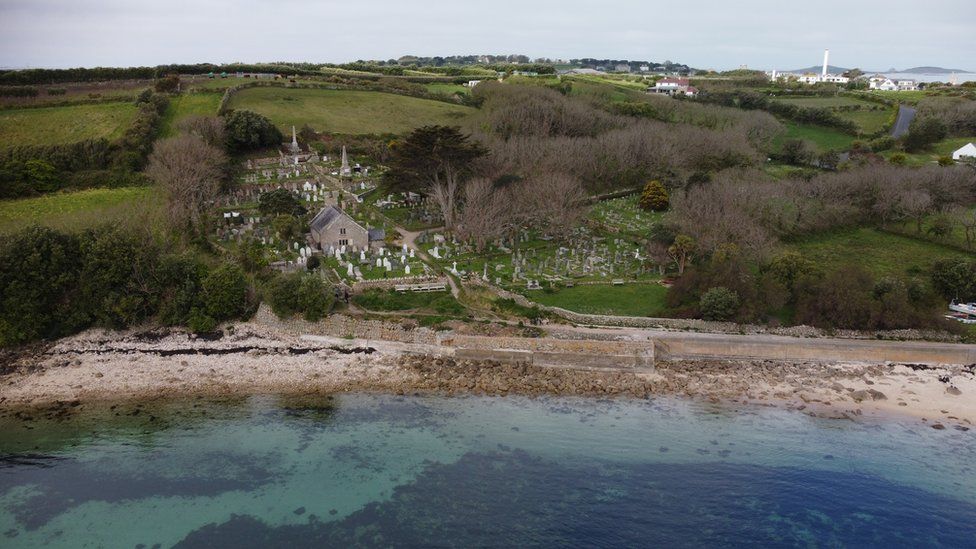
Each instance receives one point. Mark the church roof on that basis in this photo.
(326, 217)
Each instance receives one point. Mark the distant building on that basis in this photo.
(472, 83)
(644, 68)
(883, 83)
(622, 67)
(332, 227)
(673, 86)
(967, 152)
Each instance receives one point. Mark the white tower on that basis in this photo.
(826, 59)
(294, 140)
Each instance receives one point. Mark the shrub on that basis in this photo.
(654, 197)
(955, 279)
(39, 276)
(248, 130)
(946, 160)
(280, 202)
(719, 303)
(300, 293)
(225, 293)
(923, 132)
(898, 159)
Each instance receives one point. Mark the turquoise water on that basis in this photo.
(369, 470)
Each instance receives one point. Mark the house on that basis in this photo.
(674, 86)
(472, 83)
(883, 83)
(967, 152)
(333, 228)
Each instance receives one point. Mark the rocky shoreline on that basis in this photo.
(108, 366)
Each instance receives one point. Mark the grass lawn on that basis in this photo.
(79, 210)
(56, 125)
(870, 121)
(943, 148)
(390, 300)
(879, 252)
(824, 138)
(346, 111)
(626, 300)
(188, 104)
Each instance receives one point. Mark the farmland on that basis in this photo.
(64, 124)
(824, 138)
(188, 104)
(79, 210)
(346, 111)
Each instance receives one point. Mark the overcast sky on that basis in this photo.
(718, 34)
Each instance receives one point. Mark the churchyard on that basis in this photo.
(315, 184)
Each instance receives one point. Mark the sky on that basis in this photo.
(708, 34)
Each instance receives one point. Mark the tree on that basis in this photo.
(39, 278)
(190, 171)
(719, 303)
(654, 197)
(797, 152)
(300, 293)
(209, 128)
(955, 279)
(225, 293)
(287, 227)
(681, 250)
(436, 161)
(248, 130)
(280, 202)
(924, 131)
(168, 84)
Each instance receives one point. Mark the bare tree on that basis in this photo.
(209, 128)
(916, 204)
(190, 171)
(482, 216)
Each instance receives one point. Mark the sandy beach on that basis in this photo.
(104, 366)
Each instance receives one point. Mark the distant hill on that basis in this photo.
(931, 70)
(816, 69)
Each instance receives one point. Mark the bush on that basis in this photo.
(248, 130)
(300, 293)
(898, 159)
(955, 279)
(280, 202)
(923, 132)
(39, 277)
(225, 293)
(719, 303)
(654, 197)
(946, 160)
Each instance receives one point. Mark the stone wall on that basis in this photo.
(389, 283)
(337, 325)
(706, 326)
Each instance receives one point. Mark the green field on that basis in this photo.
(823, 138)
(942, 148)
(188, 104)
(346, 111)
(446, 88)
(870, 122)
(56, 125)
(79, 210)
(879, 252)
(626, 300)
(819, 102)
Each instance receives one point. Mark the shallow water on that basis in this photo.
(365, 470)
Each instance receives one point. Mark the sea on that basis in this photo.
(367, 470)
(960, 77)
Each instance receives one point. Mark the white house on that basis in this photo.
(674, 86)
(967, 152)
(882, 82)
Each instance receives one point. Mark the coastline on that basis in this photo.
(99, 366)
